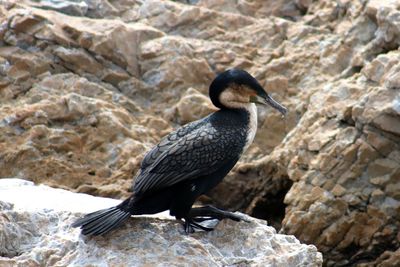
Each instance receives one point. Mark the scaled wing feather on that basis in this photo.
(196, 154)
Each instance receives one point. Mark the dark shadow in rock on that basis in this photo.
(271, 207)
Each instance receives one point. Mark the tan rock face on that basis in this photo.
(86, 88)
(351, 157)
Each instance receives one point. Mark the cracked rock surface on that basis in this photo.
(87, 87)
(39, 234)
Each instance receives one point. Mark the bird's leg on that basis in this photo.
(208, 212)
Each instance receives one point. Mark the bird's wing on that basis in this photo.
(167, 142)
(199, 153)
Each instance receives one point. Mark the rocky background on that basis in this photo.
(86, 87)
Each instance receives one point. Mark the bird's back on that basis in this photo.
(196, 149)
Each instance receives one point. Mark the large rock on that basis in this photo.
(36, 231)
(86, 87)
(344, 161)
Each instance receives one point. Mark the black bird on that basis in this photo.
(192, 159)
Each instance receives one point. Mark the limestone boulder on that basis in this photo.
(76, 134)
(38, 233)
(259, 9)
(343, 160)
(86, 87)
(192, 106)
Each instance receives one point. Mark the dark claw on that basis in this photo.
(190, 225)
(207, 213)
(199, 226)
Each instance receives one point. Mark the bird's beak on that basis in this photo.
(268, 100)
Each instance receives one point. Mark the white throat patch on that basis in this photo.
(251, 131)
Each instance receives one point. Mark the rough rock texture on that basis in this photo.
(86, 87)
(39, 234)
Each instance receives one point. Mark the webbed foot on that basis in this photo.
(207, 213)
(191, 224)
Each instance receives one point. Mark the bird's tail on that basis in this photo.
(103, 221)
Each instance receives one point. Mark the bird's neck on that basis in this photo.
(251, 109)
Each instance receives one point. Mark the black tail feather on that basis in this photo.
(102, 221)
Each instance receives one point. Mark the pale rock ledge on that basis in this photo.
(35, 231)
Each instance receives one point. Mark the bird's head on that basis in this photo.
(236, 88)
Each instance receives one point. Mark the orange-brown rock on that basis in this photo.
(87, 87)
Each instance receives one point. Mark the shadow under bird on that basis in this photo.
(192, 159)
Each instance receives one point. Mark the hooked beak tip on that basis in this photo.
(276, 105)
(283, 111)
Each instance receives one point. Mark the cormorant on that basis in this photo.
(192, 159)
